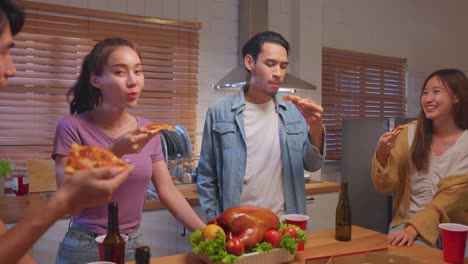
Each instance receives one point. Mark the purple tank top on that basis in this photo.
(131, 194)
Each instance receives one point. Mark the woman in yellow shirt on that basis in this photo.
(425, 164)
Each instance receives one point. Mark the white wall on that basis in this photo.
(431, 34)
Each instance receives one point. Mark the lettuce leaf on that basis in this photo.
(215, 250)
(301, 234)
(262, 247)
(287, 242)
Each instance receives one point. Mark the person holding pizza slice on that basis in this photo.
(110, 83)
(255, 144)
(424, 164)
(86, 188)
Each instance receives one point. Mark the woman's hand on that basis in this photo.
(385, 145)
(131, 142)
(402, 237)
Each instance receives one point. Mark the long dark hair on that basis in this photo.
(457, 82)
(86, 97)
(13, 13)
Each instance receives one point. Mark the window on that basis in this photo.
(359, 86)
(48, 56)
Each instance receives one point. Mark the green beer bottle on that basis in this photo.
(343, 215)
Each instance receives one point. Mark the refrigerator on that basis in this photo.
(369, 207)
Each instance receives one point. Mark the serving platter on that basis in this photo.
(276, 256)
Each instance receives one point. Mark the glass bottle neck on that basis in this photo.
(113, 219)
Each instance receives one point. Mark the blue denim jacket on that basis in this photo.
(222, 163)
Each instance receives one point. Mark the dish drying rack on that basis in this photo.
(177, 150)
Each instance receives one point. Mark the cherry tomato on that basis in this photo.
(235, 246)
(291, 231)
(273, 237)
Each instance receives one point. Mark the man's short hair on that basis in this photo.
(254, 45)
(11, 13)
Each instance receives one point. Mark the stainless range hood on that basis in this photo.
(253, 18)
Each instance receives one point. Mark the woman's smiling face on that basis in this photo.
(437, 100)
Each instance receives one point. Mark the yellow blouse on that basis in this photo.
(447, 203)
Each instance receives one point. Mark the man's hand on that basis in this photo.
(403, 237)
(312, 114)
(89, 188)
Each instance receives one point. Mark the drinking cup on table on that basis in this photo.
(299, 220)
(99, 240)
(453, 242)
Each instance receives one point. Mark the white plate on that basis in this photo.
(186, 145)
(164, 147)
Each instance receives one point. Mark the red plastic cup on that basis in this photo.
(99, 240)
(299, 220)
(453, 242)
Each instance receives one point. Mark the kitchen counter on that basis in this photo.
(15, 208)
(323, 243)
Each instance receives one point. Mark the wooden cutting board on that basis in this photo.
(41, 174)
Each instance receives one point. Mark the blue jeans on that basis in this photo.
(78, 246)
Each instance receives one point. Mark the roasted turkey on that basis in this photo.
(247, 222)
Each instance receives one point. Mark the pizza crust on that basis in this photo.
(292, 98)
(400, 127)
(155, 128)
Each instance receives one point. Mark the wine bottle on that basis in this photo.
(142, 255)
(343, 215)
(113, 244)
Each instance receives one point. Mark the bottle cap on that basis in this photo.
(142, 254)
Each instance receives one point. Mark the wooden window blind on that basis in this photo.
(48, 56)
(359, 86)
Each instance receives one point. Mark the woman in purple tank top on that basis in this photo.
(110, 83)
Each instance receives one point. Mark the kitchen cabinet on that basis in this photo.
(321, 210)
(161, 232)
(164, 234)
(183, 240)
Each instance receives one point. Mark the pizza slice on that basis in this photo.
(292, 98)
(400, 127)
(396, 130)
(83, 157)
(155, 128)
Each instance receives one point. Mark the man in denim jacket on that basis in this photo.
(255, 145)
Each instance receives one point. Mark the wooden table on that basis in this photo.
(323, 243)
